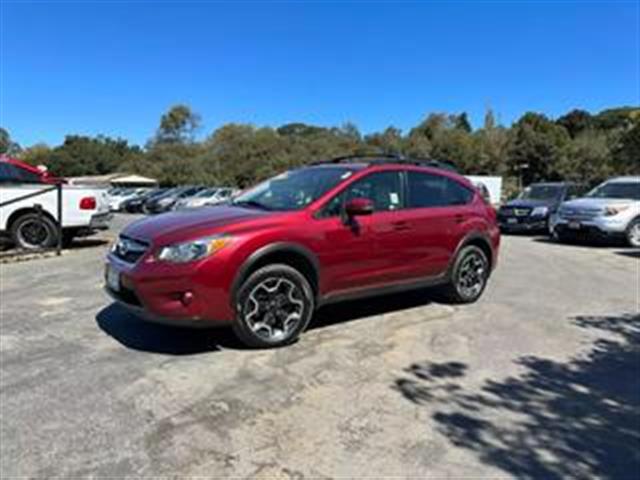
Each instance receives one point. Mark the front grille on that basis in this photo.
(514, 212)
(579, 214)
(129, 250)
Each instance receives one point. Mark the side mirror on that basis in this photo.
(359, 206)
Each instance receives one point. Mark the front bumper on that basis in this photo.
(189, 295)
(597, 227)
(522, 224)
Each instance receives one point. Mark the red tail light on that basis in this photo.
(88, 203)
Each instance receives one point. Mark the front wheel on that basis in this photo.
(468, 277)
(633, 233)
(273, 307)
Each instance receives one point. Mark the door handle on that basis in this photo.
(400, 226)
(459, 217)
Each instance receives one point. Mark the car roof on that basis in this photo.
(551, 184)
(627, 179)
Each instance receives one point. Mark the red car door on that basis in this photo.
(368, 250)
(437, 208)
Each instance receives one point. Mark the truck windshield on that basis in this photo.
(624, 190)
(293, 190)
(541, 192)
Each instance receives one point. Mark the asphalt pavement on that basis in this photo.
(539, 379)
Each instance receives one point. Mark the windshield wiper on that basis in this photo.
(251, 203)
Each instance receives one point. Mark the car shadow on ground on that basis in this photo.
(586, 242)
(635, 253)
(574, 419)
(137, 334)
(347, 311)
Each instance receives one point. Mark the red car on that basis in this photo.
(348, 228)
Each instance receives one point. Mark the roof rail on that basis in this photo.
(378, 159)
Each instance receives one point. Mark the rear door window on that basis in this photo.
(429, 190)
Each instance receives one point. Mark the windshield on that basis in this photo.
(627, 190)
(209, 192)
(541, 192)
(293, 190)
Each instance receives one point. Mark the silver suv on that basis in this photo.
(610, 210)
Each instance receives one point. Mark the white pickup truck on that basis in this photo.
(29, 207)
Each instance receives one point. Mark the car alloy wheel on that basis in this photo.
(633, 234)
(472, 275)
(273, 306)
(274, 309)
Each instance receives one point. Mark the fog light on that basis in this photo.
(186, 298)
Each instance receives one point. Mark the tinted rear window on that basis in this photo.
(428, 190)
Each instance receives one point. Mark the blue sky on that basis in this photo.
(113, 67)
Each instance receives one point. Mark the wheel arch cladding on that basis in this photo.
(482, 243)
(26, 211)
(293, 255)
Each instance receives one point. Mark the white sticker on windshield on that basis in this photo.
(346, 175)
(394, 198)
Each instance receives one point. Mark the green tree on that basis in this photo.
(81, 155)
(178, 125)
(7, 145)
(535, 147)
(626, 156)
(576, 122)
(586, 158)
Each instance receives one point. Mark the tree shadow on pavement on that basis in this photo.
(134, 333)
(573, 419)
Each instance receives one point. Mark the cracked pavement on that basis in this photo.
(87, 391)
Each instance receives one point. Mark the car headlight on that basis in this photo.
(194, 249)
(614, 210)
(540, 211)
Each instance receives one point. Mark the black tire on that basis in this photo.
(457, 291)
(266, 319)
(632, 233)
(34, 231)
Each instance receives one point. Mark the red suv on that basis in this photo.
(348, 228)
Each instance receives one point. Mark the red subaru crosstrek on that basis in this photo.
(344, 229)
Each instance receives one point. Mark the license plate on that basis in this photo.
(574, 225)
(512, 220)
(113, 279)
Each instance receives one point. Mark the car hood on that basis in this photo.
(593, 203)
(529, 203)
(184, 224)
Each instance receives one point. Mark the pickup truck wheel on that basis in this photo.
(633, 233)
(33, 231)
(273, 306)
(469, 276)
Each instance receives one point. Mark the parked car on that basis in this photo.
(200, 199)
(116, 201)
(165, 202)
(31, 223)
(135, 204)
(319, 234)
(223, 195)
(531, 211)
(609, 211)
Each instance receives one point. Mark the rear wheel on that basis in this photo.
(469, 276)
(273, 306)
(33, 231)
(633, 233)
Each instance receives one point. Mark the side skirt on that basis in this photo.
(383, 290)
